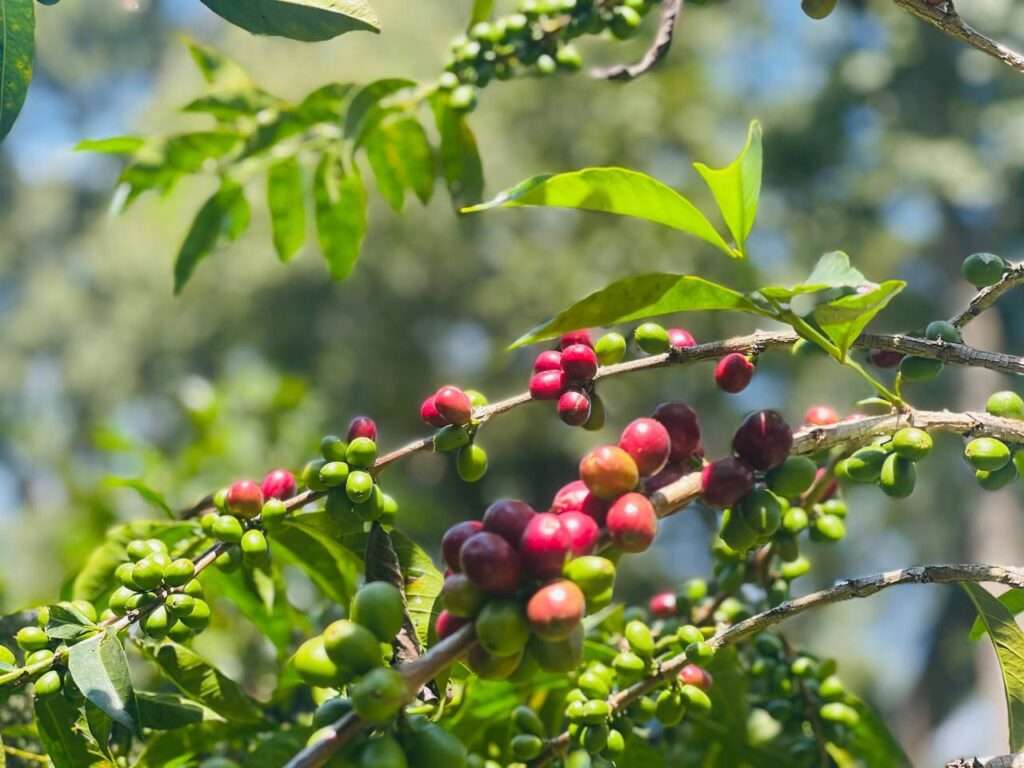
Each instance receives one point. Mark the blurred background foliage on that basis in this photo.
(883, 138)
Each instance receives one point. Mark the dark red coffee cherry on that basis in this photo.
(244, 499)
(885, 358)
(547, 385)
(576, 497)
(649, 443)
(555, 610)
(447, 624)
(678, 338)
(278, 484)
(579, 362)
(575, 337)
(584, 532)
(491, 563)
(683, 430)
(821, 416)
(430, 415)
(574, 408)
(691, 674)
(668, 475)
(362, 426)
(734, 372)
(454, 538)
(548, 360)
(763, 440)
(632, 522)
(545, 546)
(726, 481)
(454, 405)
(508, 518)
(663, 605)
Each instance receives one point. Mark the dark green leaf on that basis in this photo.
(68, 623)
(1012, 600)
(639, 298)
(366, 111)
(307, 20)
(309, 542)
(64, 735)
(1008, 642)
(460, 158)
(181, 747)
(401, 158)
(277, 748)
(640, 753)
(17, 49)
(187, 152)
(845, 318)
(169, 711)
(482, 10)
(114, 145)
(611, 190)
(737, 187)
(224, 216)
(216, 68)
(287, 207)
(99, 668)
(152, 497)
(100, 726)
(340, 215)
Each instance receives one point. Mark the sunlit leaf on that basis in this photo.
(99, 668)
(844, 319)
(66, 623)
(1012, 600)
(340, 215)
(17, 49)
(286, 203)
(113, 145)
(277, 621)
(311, 542)
(188, 152)
(64, 735)
(737, 187)
(366, 110)
(223, 217)
(401, 158)
(217, 69)
(307, 20)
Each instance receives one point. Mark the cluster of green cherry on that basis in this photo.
(535, 40)
(450, 409)
(45, 655)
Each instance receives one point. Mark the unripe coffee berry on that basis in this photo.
(454, 405)
(574, 407)
(763, 440)
(912, 443)
(597, 414)
(1006, 405)
(47, 684)
(31, 639)
(983, 269)
(610, 348)
(471, 463)
(334, 473)
(179, 572)
(430, 415)
(180, 604)
(793, 476)
(362, 452)
(359, 486)
(579, 362)
(584, 533)
(987, 453)
(491, 562)
(662, 605)
(501, 628)
(679, 338)
(920, 368)
(608, 471)
(943, 330)
(651, 338)
(278, 484)
(274, 510)
(199, 618)
(548, 360)
(454, 538)
(311, 475)
(244, 499)
(461, 597)
(575, 337)
(545, 545)
(648, 442)
(726, 481)
(821, 416)
(333, 448)
(733, 373)
(362, 426)
(632, 523)
(225, 528)
(255, 550)
(508, 518)
(547, 385)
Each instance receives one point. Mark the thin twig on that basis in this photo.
(670, 10)
(986, 297)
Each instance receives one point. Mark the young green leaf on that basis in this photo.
(482, 10)
(64, 735)
(276, 621)
(844, 319)
(325, 104)
(286, 203)
(100, 726)
(224, 216)
(113, 145)
(737, 187)
(366, 111)
(611, 190)
(639, 298)
(306, 20)
(401, 158)
(1008, 641)
(460, 159)
(17, 49)
(1012, 600)
(340, 215)
(188, 152)
(99, 668)
(216, 68)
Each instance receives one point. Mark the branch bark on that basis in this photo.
(670, 10)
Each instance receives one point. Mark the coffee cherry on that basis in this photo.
(333, 448)
(471, 463)
(545, 545)
(378, 695)
(274, 510)
(454, 405)
(31, 638)
(278, 484)
(526, 746)
(488, 667)
(821, 416)
(448, 624)
(683, 429)
(245, 499)
(331, 710)
(662, 605)
(7, 657)
(649, 444)
(670, 707)
(548, 360)
(726, 481)
(547, 385)
(865, 464)
(501, 628)
(461, 597)
(818, 9)
(255, 550)
(592, 574)
(379, 607)
(651, 338)
(229, 559)
(44, 656)
(311, 475)
(912, 443)
(885, 358)
(632, 523)
(47, 684)
(381, 751)
(837, 712)
(199, 618)
(735, 532)
(998, 479)
(733, 373)
(610, 348)
(179, 604)
(575, 337)
(608, 471)
(454, 538)
(1006, 405)
(943, 330)
(430, 415)
(987, 453)
(491, 562)
(574, 407)
(691, 674)
(362, 426)
(576, 497)
(579, 362)
(361, 452)
(157, 622)
(983, 269)
(794, 476)
(763, 440)
(761, 511)
(584, 532)
(463, 98)
(225, 528)
(559, 656)
(334, 473)
(359, 486)
(353, 648)
(920, 368)
(679, 338)
(508, 518)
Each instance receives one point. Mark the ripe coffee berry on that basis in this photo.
(278, 484)
(430, 415)
(632, 523)
(545, 545)
(244, 499)
(491, 563)
(548, 360)
(362, 426)
(763, 440)
(608, 471)
(508, 518)
(734, 372)
(821, 416)
(448, 624)
(574, 407)
(579, 362)
(668, 475)
(691, 674)
(678, 338)
(648, 443)
(555, 610)
(454, 405)
(683, 430)
(576, 497)
(885, 358)
(663, 605)
(547, 385)
(726, 481)
(454, 538)
(575, 337)
(584, 532)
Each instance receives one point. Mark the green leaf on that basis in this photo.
(64, 735)
(307, 20)
(17, 49)
(1008, 642)
(99, 668)
(1012, 600)
(100, 726)
(871, 741)
(737, 187)
(611, 190)
(188, 152)
(845, 318)
(142, 177)
(325, 104)
(113, 145)
(276, 621)
(460, 159)
(638, 298)
(422, 582)
(366, 111)
(95, 581)
(224, 216)
(216, 68)
(287, 207)
(200, 681)
(482, 10)
(340, 215)
(169, 711)
(312, 541)
(67, 623)
(228, 106)
(152, 497)
(182, 747)
(401, 158)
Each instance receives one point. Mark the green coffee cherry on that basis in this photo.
(794, 476)
(123, 574)
(794, 520)
(593, 685)
(451, 438)
(1006, 405)
(388, 509)
(372, 508)
(920, 368)
(42, 656)
(193, 588)
(180, 632)
(595, 712)
(828, 528)
(598, 415)
(761, 511)
(118, 601)
(835, 507)
(333, 474)
(501, 628)
(463, 98)
(229, 560)
(735, 532)
(149, 574)
(640, 640)
(331, 710)
(898, 477)
(865, 465)
(593, 738)
(795, 569)
(311, 475)
(700, 653)
(696, 699)
(274, 510)
(157, 622)
(254, 546)
(7, 656)
(333, 448)
(610, 348)
(526, 746)
(477, 399)
(206, 522)
(313, 664)
(831, 688)
(629, 667)
(651, 338)
(226, 528)
(471, 463)
(616, 743)
(220, 499)
(379, 607)
(47, 684)
(818, 9)
(199, 618)
(671, 706)
(378, 695)
(180, 604)
(527, 721)
(359, 486)
(987, 453)
(983, 269)
(625, 22)
(1000, 478)
(837, 712)
(944, 330)
(592, 574)
(362, 452)
(141, 601)
(179, 572)
(912, 443)
(352, 647)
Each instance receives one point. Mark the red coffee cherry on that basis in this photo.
(579, 361)
(763, 440)
(508, 518)
(244, 499)
(649, 443)
(691, 674)
(725, 482)
(362, 426)
(683, 429)
(821, 416)
(668, 475)
(446, 624)
(663, 605)
(545, 545)
(574, 408)
(679, 338)
(491, 563)
(576, 497)
(885, 358)
(632, 523)
(584, 533)
(454, 405)
(609, 472)
(547, 385)
(830, 489)
(454, 538)
(734, 372)
(278, 484)
(430, 415)
(575, 337)
(549, 360)
(555, 610)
